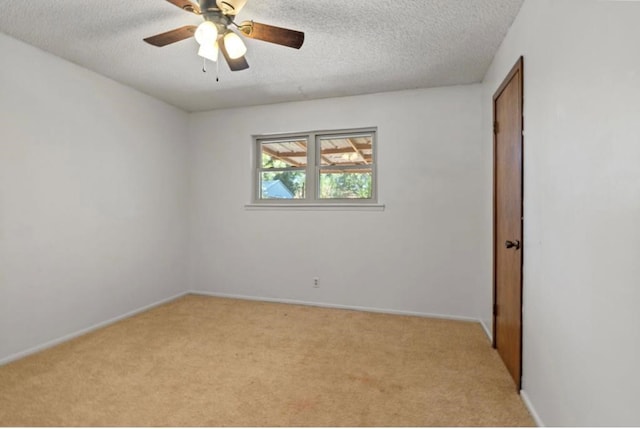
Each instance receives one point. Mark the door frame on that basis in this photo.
(517, 68)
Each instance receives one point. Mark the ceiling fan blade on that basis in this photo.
(172, 36)
(235, 65)
(269, 33)
(230, 7)
(186, 5)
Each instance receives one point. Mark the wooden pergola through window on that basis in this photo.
(342, 152)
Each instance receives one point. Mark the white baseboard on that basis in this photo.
(338, 306)
(531, 408)
(73, 335)
(76, 334)
(487, 331)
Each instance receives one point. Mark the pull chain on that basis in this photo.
(204, 68)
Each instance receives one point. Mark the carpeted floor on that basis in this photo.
(203, 361)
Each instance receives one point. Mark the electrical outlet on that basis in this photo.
(316, 282)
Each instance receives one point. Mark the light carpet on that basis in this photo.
(204, 361)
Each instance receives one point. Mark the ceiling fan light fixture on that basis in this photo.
(234, 45)
(206, 33)
(209, 51)
(216, 36)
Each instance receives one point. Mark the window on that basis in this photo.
(316, 168)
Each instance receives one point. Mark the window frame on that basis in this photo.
(312, 169)
(258, 169)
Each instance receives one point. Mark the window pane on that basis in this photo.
(282, 185)
(341, 163)
(284, 154)
(351, 184)
(356, 150)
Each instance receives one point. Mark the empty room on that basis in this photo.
(319, 213)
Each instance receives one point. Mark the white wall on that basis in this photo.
(93, 183)
(582, 207)
(421, 254)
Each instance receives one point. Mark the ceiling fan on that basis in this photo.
(215, 35)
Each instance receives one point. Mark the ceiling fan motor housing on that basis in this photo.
(211, 12)
(221, 21)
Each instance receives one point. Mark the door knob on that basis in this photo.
(509, 244)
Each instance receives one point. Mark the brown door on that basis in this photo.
(507, 238)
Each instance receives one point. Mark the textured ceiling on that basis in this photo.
(351, 47)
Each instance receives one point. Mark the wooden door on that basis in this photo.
(507, 238)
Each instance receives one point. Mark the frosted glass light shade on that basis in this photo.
(234, 45)
(209, 51)
(206, 33)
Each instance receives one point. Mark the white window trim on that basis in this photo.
(376, 207)
(312, 202)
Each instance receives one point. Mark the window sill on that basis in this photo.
(317, 207)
